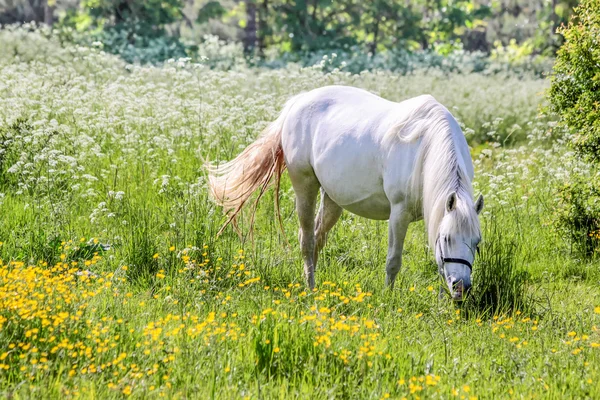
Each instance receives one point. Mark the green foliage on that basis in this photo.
(133, 29)
(575, 90)
(147, 17)
(575, 96)
(578, 214)
(298, 25)
(501, 285)
(212, 9)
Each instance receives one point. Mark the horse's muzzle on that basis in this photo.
(459, 290)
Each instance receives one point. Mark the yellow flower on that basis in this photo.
(597, 310)
(430, 288)
(227, 369)
(155, 256)
(466, 389)
(127, 390)
(172, 248)
(276, 350)
(124, 267)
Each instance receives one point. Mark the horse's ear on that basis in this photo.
(479, 204)
(451, 202)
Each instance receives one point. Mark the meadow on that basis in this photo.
(113, 283)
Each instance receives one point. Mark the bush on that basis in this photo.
(578, 216)
(575, 96)
(575, 90)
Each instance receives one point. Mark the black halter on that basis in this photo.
(446, 260)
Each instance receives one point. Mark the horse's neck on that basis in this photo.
(443, 173)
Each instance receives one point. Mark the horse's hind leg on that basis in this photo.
(329, 213)
(306, 187)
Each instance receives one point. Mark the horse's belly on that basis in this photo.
(373, 207)
(349, 170)
(356, 188)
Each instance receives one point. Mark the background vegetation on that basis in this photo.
(380, 33)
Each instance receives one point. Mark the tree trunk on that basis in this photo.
(375, 36)
(263, 14)
(250, 30)
(49, 13)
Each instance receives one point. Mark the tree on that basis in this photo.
(147, 17)
(40, 11)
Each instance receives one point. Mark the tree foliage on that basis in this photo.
(575, 90)
(575, 96)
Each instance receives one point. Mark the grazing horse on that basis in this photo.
(375, 158)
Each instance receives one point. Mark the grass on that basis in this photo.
(113, 283)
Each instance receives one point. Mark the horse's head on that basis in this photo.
(456, 244)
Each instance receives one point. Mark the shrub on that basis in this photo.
(575, 90)
(575, 96)
(578, 217)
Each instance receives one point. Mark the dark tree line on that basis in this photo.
(309, 25)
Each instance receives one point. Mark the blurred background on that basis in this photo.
(388, 34)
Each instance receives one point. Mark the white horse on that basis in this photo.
(373, 157)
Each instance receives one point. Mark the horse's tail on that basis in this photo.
(233, 183)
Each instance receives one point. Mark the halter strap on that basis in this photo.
(457, 261)
(452, 260)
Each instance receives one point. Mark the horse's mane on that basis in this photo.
(439, 167)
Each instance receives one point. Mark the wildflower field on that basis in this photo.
(113, 283)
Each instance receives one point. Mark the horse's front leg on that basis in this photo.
(398, 225)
